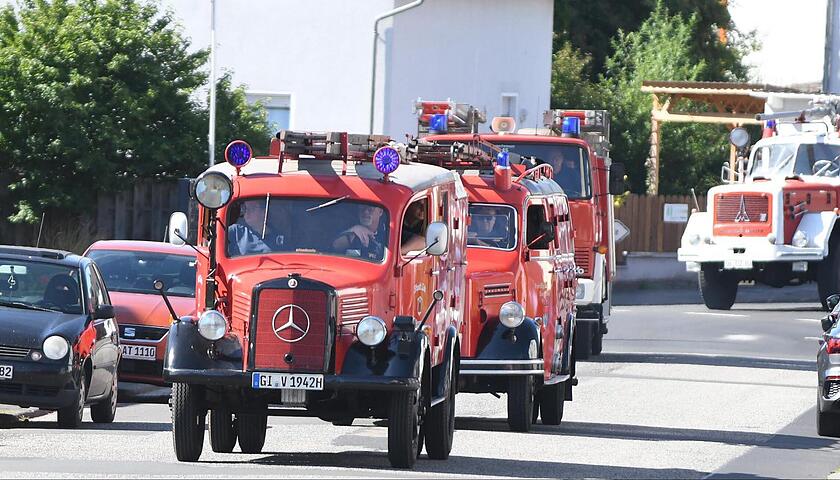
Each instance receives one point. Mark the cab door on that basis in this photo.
(540, 270)
(104, 353)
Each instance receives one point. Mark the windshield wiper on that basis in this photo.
(25, 306)
(327, 204)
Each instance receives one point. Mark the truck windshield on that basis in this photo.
(570, 163)
(796, 159)
(492, 226)
(135, 272)
(325, 226)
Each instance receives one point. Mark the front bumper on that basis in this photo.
(43, 384)
(236, 378)
(759, 250)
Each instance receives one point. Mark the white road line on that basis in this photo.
(740, 337)
(812, 338)
(621, 310)
(717, 314)
(815, 320)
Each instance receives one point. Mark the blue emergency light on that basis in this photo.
(386, 159)
(571, 126)
(770, 124)
(438, 123)
(502, 159)
(238, 153)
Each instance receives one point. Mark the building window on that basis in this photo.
(278, 108)
(509, 104)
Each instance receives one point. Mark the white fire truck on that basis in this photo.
(774, 222)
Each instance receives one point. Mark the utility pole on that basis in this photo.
(211, 136)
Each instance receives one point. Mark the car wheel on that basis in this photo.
(520, 403)
(583, 340)
(439, 424)
(106, 410)
(188, 418)
(552, 399)
(718, 288)
(71, 415)
(343, 422)
(251, 429)
(403, 428)
(222, 431)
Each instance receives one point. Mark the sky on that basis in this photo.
(790, 35)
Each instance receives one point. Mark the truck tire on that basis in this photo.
(718, 288)
(188, 417)
(597, 340)
(222, 431)
(250, 428)
(439, 424)
(71, 415)
(583, 340)
(828, 274)
(403, 428)
(552, 399)
(520, 403)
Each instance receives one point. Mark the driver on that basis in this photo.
(567, 174)
(367, 236)
(480, 231)
(252, 232)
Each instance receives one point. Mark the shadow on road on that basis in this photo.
(715, 360)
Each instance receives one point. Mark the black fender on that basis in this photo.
(566, 361)
(441, 380)
(188, 351)
(507, 344)
(401, 356)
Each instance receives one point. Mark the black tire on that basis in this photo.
(403, 429)
(343, 422)
(251, 428)
(718, 288)
(597, 340)
(222, 431)
(582, 342)
(552, 399)
(188, 420)
(106, 410)
(828, 274)
(439, 425)
(520, 403)
(71, 415)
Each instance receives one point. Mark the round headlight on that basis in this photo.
(55, 347)
(212, 325)
(800, 239)
(771, 237)
(371, 331)
(694, 239)
(739, 137)
(511, 314)
(213, 190)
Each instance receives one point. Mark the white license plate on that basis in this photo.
(292, 381)
(738, 264)
(139, 352)
(6, 372)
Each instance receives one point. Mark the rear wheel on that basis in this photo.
(71, 415)
(520, 403)
(106, 410)
(251, 428)
(717, 287)
(188, 419)
(552, 398)
(597, 340)
(583, 340)
(439, 425)
(222, 431)
(404, 429)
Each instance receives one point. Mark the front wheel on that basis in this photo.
(597, 340)
(439, 425)
(552, 399)
(520, 403)
(717, 287)
(251, 429)
(106, 410)
(404, 429)
(188, 418)
(71, 415)
(222, 431)
(583, 340)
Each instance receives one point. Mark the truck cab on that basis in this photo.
(329, 285)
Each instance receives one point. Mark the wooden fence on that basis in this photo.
(644, 216)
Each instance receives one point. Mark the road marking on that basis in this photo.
(621, 310)
(717, 314)
(740, 337)
(812, 338)
(815, 320)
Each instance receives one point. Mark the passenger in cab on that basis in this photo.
(414, 228)
(367, 238)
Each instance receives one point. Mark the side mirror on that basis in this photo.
(832, 301)
(437, 239)
(617, 185)
(547, 229)
(103, 311)
(177, 228)
(826, 323)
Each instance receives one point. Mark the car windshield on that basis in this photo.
(782, 159)
(334, 226)
(131, 271)
(492, 226)
(570, 163)
(39, 285)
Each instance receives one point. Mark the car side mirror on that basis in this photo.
(103, 312)
(832, 301)
(827, 323)
(617, 185)
(177, 228)
(437, 239)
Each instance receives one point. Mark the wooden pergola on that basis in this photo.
(732, 104)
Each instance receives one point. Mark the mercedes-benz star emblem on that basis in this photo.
(290, 323)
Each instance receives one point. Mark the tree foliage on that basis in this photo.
(96, 93)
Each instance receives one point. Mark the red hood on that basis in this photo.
(148, 309)
(334, 271)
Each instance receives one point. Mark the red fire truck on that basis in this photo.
(775, 221)
(576, 144)
(330, 284)
(520, 278)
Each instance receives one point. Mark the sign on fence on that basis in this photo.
(676, 212)
(621, 231)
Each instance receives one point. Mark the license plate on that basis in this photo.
(139, 352)
(738, 264)
(292, 381)
(6, 372)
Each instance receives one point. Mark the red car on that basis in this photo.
(129, 269)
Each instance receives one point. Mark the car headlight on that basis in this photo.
(800, 239)
(212, 325)
(371, 331)
(55, 347)
(694, 239)
(511, 314)
(213, 190)
(771, 237)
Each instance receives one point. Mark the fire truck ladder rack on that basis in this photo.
(460, 117)
(594, 127)
(326, 146)
(475, 155)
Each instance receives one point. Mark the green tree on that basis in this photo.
(97, 93)
(571, 86)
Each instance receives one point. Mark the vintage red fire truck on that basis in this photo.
(576, 144)
(330, 285)
(520, 278)
(774, 223)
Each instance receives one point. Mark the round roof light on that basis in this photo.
(386, 159)
(238, 153)
(739, 137)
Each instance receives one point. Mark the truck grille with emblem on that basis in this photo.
(291, 330)
(742, 214)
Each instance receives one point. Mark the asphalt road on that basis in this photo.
(680, 392)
